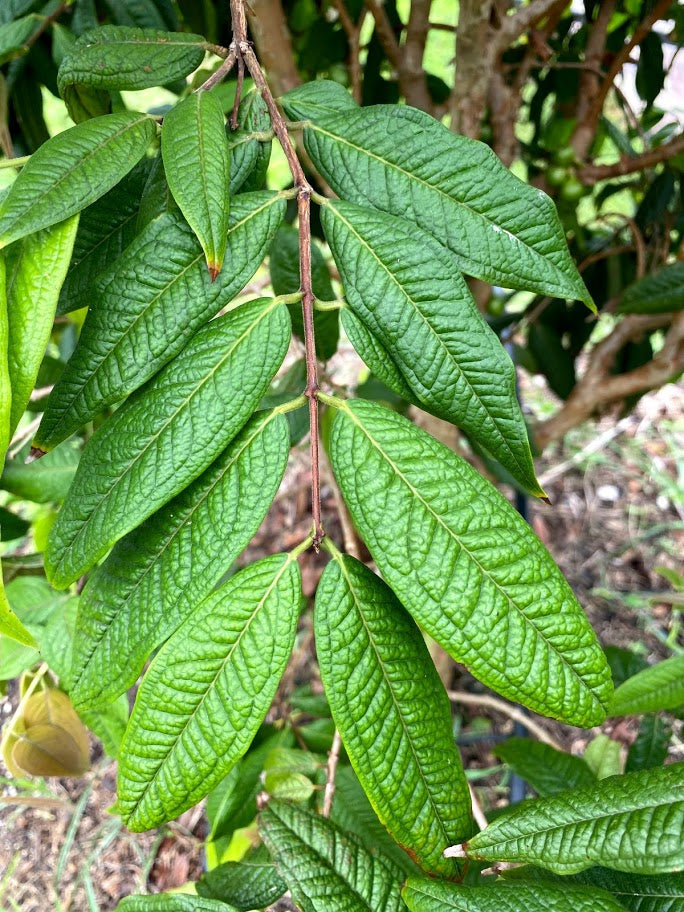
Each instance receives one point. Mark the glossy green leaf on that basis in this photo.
(195, 406)
(403, 286)
(251, 883)
(467, 566)
(12, 526)
(284, 267)
(172, 902)
(328, 870)
(392, 712)
(438, 896)
(651, 745)
(118, 57)
(46, 480)
(197, 166)
(655, 688)
(405, 162)
(318, 98)
(639, 892)
(546, 769)
(5, 379)
(72, 170)
(35, 272)
(147, 306)
(660, 292)
(109, 724)
(10, 625)
(630, 823)
(603, 756)
(105, 229)
(249, 157)
(157, 574)
(207, 691)
(376, 356)
(14, 35)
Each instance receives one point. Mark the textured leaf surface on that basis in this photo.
(195, 406)
(45, 481)
(434, 896)
(639, 892)
(631, 823)
(147, 307)
(72, 170)
(325, 869)
(5, 381)
(603, 756)
(167, 902)
(249, 157)
(252, 882)
(466, 566)
(392, 712)
(207, 692)
(659, 687)
(10, 625)
(105, 229)
(660, 292)
(405, 162)
(35, 272)
(547, 770)
(651, 746)
(14, 35)
(197, 166)
(160, 571)
(119, 57)
(376, 356)
(403, 286)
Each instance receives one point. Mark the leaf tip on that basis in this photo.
(214, 269)
(36, 452)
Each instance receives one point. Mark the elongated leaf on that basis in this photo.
(249, 157)
(630, 823)
(12, 526)
(172, 902)
(197, 166)
(435, 896)
(661, 292)
(35, 272)
(547, 770)
(659, 687)
(157, 574)
(639, 892)
(72, 170)
(376, 356)
(403, 286)
(195, 406)
(45, 481)
(325, 869)
(14, 35)
(392, 712)
(252, 882)
(405, 162)
(207, 691)
(5, 379)
(118, 57)
(147, 307)
(466, 566)
(105, 229)
(651, 745)
(603, 756)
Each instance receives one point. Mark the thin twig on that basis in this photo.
(220, 73)
(46, 23)
(478, 813)
(460, 696)
(353, 32)
(331, 769)
(238, 94)
(596, 444)
(592, 174)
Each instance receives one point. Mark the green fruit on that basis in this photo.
(556, 176)
(564, 156)
(573, 190)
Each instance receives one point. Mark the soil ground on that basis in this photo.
(617, 515)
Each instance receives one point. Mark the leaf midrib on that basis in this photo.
(453, 535)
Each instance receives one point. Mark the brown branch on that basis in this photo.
(244, 49)
(220, 73)
(331, 769)
(272, 38)
(592, 174)
(353, 32)
(590, 80)
(384, 31)
(515, 25)
(412, 79)
(599, 388)
(470, 699)
(46, 23)
(476, 50)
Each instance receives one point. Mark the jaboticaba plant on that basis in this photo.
(156, 222)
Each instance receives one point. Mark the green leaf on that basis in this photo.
(105, 229)
(12, 526)
(14, 35)
(72, 170)
(403, 286)
(147, 306)
(249, 157)
(320, 97)
(5, 379)
(602, 756)
(197, 165)
(392, 712)
(405, 162)
(284, 267)
(325, 869)
(122, 58)
(109, 724)
(57, 638)
(638, 892)
(376, 356)
(650, 748)
(250, 883)
(207, 691)
(658, 687)
(35, 272)
(660, 292)
(45, 481)
(157, 574)
(438, 896)
(195, 406)
(630, 823)
(172, 902)
(288, 786)
(467, 566)
(547, 770)
(10, 625)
